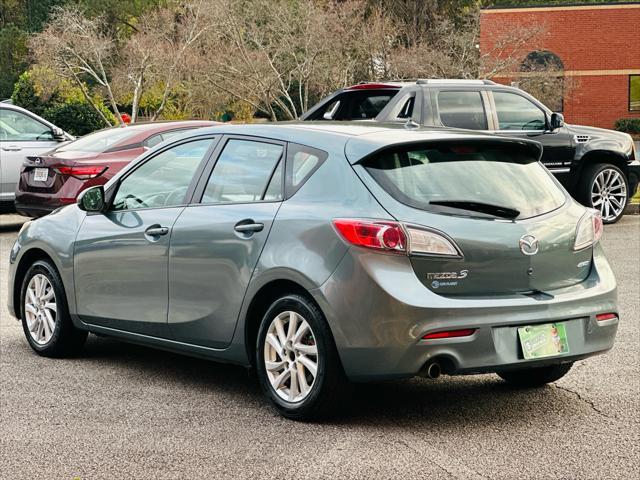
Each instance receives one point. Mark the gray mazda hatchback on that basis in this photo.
(321, 254)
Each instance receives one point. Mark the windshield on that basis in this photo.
(474, 180)
(99, 142)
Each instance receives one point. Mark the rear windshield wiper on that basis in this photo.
(495, 210)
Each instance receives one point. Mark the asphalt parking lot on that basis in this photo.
(124, 411)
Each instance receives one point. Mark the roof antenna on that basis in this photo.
(411, 125)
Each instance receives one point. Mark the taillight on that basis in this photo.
(395, 237)
(428, 242)
(465, 332)
(589, 230)
(601, 317)
(379, 235)
(82, 172)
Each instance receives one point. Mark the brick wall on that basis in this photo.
(598, 45)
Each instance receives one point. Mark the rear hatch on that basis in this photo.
(513, 227)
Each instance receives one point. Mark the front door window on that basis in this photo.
(515, 112)
(162, 181)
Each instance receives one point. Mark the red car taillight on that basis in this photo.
(82, 172)
(601, 317)
(382, 235)
(394, 237)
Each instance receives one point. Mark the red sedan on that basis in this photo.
(55, 178)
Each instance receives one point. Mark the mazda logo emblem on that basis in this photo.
(529, 245)
(38, 161)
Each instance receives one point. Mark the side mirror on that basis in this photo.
(58, 134)
(92, 199)
(328, 115)
(557, 121)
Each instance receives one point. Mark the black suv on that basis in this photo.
(598, 167)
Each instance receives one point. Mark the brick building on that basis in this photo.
(594, 48)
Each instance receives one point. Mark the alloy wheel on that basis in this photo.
(40, 309)
(291, 356)
(609, 194)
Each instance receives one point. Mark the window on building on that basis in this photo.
(543, 77)
(634, 93)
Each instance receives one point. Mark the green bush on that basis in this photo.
(628, 125)
(77, 118)
(40, 91)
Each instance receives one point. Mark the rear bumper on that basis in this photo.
(379, 318)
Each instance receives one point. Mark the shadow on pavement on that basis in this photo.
(448, 402)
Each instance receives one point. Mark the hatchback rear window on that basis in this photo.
(468, 179)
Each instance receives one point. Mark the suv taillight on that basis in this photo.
(395, 237)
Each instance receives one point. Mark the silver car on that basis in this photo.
(323, 254)
(22, 133)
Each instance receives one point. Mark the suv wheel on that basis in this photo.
(604, 187)
(297, 361)
(45, 316)
(535, 377)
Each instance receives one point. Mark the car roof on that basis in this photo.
(398, 84)
(360, 139)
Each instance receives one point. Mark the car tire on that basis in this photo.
(310, 397)
(535, 377)
(605, 188)
(46, 321)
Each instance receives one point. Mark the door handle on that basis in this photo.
(12, 148)
(156, 231)
(248, 226)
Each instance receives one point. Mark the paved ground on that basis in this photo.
(123, 411)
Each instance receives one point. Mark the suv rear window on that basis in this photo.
(461, 178)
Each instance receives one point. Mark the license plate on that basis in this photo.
(540, 341)
(41, 174)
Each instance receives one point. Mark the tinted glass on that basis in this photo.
(153, 140)
(366, 107)
(242, 172)
(17, 126)
(495, 175)
(462, 110)
(517, 113)
(100, 141)
(162, 181)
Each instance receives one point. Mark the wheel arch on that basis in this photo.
(27, 259)
(259, 304)
(603, 156)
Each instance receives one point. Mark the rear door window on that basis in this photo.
(462, 109)
(432, 177)
(246, 171)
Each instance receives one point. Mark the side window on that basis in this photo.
(302, 161)
(462, 109)
(16, 126)
(244, 171)
(407, 108)
(517, 113)
(153, 140)
(163, 180)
